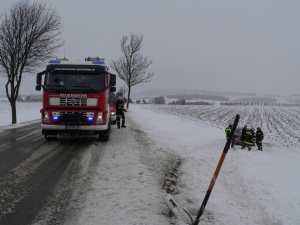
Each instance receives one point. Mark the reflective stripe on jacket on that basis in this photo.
(259, 136)
(249, 137)
(119, 107)
(228, 131)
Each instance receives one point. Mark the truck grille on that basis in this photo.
(62, 113)
(73, 101)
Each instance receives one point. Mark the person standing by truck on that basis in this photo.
(228, 131)
(259, 138)
(120, 112)
(244, 130)
(249, 137)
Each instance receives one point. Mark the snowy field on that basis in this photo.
(26, 111)
(183, 144)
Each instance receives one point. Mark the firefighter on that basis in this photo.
(228, 131)
(120, 112)
(244, 130)
(249, 138)
(259, 138)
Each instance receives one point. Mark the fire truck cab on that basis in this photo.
(76, 98)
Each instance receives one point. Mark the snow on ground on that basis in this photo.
(26, 112)
(253, 187)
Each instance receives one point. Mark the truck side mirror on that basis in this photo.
(113, 79)
(112, 89)
(38, 82)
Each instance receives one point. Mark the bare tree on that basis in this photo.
(132, 66)
(29, 35)
(123, 89)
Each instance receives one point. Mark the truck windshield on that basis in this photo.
(73, 82)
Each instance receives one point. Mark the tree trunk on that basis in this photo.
(128, 97)
(13, 111)
(12, 99)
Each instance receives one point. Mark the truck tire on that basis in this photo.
(49, 138)
(104, 136)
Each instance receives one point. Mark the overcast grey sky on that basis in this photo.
(221, 45)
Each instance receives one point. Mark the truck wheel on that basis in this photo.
(49, 138)
(104, 137)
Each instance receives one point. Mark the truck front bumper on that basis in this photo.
(67, 128)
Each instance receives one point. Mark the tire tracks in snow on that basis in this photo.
(128, 181)
(39, 189)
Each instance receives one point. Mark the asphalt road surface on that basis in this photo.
(42, 182)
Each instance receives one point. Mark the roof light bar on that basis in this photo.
(99, 62)
(54, 61)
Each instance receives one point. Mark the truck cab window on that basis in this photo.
(84, 82)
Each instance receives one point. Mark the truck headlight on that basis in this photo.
(112, 113)
(99, 118)
(46, 117)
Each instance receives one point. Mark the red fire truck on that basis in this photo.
(76, 98)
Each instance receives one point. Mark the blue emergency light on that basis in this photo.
(99, 62)
(90, 118)
(55, 117)
(54, 61)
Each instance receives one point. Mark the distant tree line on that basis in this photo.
(257, 103)
(159, 100)
(178, 102)
(183, 102)
(199, 96)
(256, 100)
(296, 100)
(197, 103)
(139, 101)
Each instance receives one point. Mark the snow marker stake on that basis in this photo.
(215, 176)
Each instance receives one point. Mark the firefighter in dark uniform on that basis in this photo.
(244, 130)
(259, 138)
(249, 138)
(228, 131)
(120, 112)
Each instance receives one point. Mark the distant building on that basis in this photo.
(20, 99)
(37, 98)
(28, 99)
